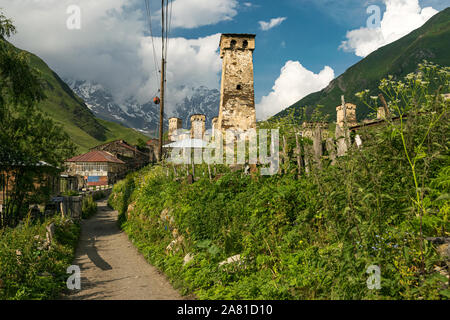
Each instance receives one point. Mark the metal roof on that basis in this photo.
(96, 156)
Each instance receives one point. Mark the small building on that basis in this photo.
(98, 168)
(45, 181)
(130, 155)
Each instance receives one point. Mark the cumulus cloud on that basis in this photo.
(111, 49)
(271, 24)
(197, 13)
(294, 83)
(401, 17)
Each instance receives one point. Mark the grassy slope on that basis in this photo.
(67, 109)
(430, 42)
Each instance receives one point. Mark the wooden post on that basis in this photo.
(385, 106)
(285, 155)
(209, 172)
(298, 152)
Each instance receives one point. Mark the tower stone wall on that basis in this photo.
(198, 126)
(174, 125)
(237, 96)
(350, 112)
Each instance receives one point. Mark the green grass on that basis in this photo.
(30, 270)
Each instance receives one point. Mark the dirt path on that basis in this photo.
(111, 267)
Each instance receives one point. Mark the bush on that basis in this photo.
(311, 237)
(89, 207)
(31, 270)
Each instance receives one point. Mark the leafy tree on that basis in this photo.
(27, 136)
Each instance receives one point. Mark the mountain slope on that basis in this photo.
(202, 101)
(145, 117)
(430, 42)
(66, 108)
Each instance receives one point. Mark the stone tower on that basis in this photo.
(237, 96)
(198, 126)
(350, 113)
(174, 125)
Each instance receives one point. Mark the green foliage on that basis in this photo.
(309, 236)
(88, 207)
(28, 268)
(27, 136)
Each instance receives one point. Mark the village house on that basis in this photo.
(98, 168)
(133, 158)
(45, 181)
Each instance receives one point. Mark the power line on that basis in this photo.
(149, 19)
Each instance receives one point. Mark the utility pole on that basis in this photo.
(163, 80)
(161, 109)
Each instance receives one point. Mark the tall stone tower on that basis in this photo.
(174, 125)
(198, 126)
(350, 113)
(237, 94)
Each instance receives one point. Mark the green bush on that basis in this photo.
(28, 268)
(311, 237)
(89, 207)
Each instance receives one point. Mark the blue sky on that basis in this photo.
(311, 34)
(314, 41)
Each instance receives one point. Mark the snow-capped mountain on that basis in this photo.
(145, 117)
(203, 101)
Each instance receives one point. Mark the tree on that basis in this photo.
(27, 136)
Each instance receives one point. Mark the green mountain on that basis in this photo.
(66, 108)
(430, 42)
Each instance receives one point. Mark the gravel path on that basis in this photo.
(111, 267)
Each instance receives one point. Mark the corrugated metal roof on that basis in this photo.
(96, 156)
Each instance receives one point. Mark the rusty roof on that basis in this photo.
(96, 156)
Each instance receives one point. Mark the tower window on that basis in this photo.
(245, 44)
(233, 44)
(238, 87)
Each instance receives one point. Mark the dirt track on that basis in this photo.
(112, 268)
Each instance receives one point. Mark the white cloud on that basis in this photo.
(196, 13)
(294, 83)
(111, 48)
(248, 4)
(271, 24)
(401, 17)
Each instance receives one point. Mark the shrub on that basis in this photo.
(28, 268)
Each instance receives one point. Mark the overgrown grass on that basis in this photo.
(313, 236)
(28, 268)
(89, 207)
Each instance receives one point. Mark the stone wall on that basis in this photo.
(237, 99)
(174, 125)
(351, 115)
(198, 126)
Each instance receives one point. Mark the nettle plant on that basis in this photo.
(417, 109)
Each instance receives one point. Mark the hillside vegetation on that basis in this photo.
(317, 235)
(430, 42)
(63, 106)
